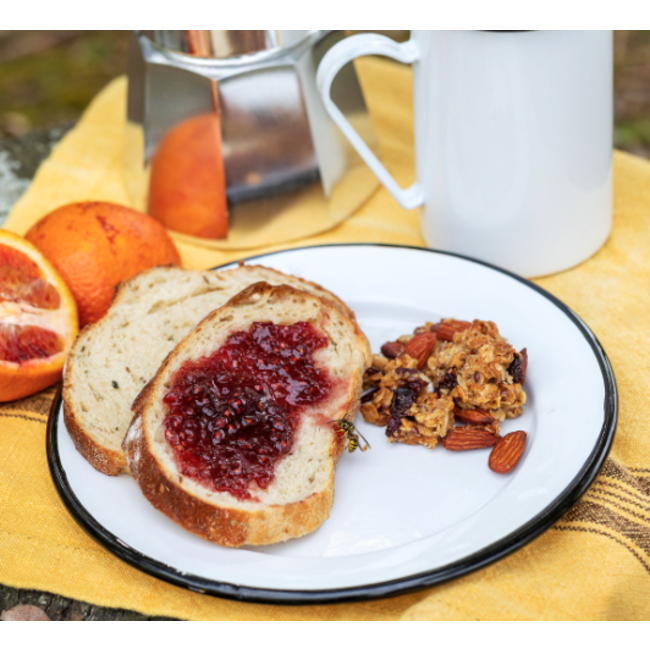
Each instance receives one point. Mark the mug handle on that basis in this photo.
(338, 56)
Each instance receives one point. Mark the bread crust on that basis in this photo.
(111, 461)
(102, 458)
(225, 526)
(280, 278)
(232, 526)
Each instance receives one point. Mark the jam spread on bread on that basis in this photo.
(231, 416)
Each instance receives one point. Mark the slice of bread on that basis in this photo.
(112, 360)
(300, 496)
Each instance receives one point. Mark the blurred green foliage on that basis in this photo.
(47, 79)
(628, 134)
(53, 86)
(632, 91)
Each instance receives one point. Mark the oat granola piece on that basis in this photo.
(474, 375)
(400, 385)
(474, 369)
(375, 372)
(426, 421)
(371, 414)
(427, 327)
(371, 378)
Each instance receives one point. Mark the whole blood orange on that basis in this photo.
(187, 187)
(95, 246)
(38, 319)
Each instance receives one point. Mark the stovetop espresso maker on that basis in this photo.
(232, 120)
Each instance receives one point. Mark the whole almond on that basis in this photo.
(507, 452)
(466, 438)
(473, 416)
(446, 329)
(392, 349)
(420, 347)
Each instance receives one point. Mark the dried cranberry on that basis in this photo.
(231, 416)
(393, 425)
(517, 369)
(410, 378)
(449, 380)
(416, 386)
(403, 398)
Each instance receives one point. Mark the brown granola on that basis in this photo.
(433, 416)
(474, 375)
(474, 369)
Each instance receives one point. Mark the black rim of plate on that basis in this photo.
(492, 553)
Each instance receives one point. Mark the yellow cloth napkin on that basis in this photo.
(593, 564)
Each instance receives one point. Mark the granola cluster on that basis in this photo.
(400, 401)
(476, 370)
(450, 371)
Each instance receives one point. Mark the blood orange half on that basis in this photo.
(38, 319)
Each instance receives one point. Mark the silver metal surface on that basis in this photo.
(221, 43)
(278, 145)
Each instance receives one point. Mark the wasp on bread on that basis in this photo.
(351, 433)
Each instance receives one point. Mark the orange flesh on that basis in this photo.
(21, 280)
(20, 343)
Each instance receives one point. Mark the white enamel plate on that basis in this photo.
(404, 517)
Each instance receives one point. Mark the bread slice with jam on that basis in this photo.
(236, 436)
(113, 359)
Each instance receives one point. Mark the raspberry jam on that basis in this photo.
(231, 416)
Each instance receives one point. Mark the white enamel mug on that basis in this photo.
(513, 141)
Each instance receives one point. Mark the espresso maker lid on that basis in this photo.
(224, 44)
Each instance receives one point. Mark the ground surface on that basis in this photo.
(58, 608)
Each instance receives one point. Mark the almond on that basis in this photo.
(466, 438)
(474, 416)
(420, 347)
(446, 329)
(392, 349)
(507, 452)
